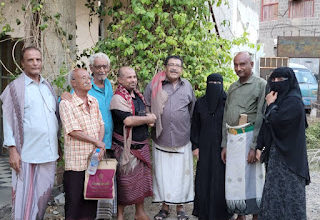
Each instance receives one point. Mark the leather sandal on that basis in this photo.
(162, 214)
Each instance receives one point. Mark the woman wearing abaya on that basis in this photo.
(206, 135)
(283, 130)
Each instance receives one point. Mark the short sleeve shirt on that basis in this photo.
(75, 117)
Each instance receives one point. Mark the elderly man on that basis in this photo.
(30, 122)
(244, 177)
(130, 143)
(171, 99)
(102, 91)
(83, 132)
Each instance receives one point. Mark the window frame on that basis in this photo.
(268, 4)
(291, 2)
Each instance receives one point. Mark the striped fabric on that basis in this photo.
(74, 117)
(31, 190)
(133, 187)
(235, 131)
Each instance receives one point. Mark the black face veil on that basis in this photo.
(214, 91)
(283, 88)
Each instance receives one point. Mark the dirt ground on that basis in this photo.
(312, 192)
(55, 212)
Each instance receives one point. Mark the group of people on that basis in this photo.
(222, 130)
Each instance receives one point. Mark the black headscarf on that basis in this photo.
(285, 122)
(287, 87)
(214, 92)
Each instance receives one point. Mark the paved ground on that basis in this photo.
(5, 182)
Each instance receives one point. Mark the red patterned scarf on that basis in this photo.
(126, 104)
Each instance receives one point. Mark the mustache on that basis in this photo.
(173, 71)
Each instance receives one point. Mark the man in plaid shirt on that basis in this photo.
(83, 133)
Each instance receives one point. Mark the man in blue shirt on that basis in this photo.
(102, 91)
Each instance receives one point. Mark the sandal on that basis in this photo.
(161, 215)
(181, 215)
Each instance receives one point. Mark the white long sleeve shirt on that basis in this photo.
(40, 124)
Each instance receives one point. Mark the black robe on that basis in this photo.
(206, 134)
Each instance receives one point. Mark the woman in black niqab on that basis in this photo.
(206, 136)
(283, 130)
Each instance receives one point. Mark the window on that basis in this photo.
(269, 10)
(301, 8)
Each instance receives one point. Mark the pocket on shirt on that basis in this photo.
(51, 103)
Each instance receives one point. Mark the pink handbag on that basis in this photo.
(101, 185)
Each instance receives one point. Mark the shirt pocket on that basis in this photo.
(49, 99)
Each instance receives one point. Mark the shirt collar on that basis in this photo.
(28, 80)
(249, 81)
(78, 101)
(166, 81)
(97, 88)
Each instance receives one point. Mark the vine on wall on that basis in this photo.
(36, 23)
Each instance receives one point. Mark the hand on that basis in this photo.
(195, 153)
(100, 144)
(14, 158)
(271, 97)
(251, 156)
(258, 154)
(224, 155)
(101, 153)
(151, 118)
(66, 96)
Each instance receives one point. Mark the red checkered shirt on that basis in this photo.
(74, 117)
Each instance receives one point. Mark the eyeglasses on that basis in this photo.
(101, 66)
(173, 64)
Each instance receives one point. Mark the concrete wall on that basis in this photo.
(285, 26)
(87, 33)
(243, 15)
(59, 49)
(81, 32)
(13, 7)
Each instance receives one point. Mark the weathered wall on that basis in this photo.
(285, 26)
(87, 33)
(242, 15)
(13, 7)
(59, 49)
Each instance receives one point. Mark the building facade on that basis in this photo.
(289, 18)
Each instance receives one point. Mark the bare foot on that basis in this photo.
(120, 217)
(141, 217)
(241, 217)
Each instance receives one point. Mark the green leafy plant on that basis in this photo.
(313, 135)
(144, 34)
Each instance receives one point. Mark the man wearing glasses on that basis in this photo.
(171, 99)
(102, 91)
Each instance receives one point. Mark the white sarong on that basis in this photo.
(244, 181)
(173, 174)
